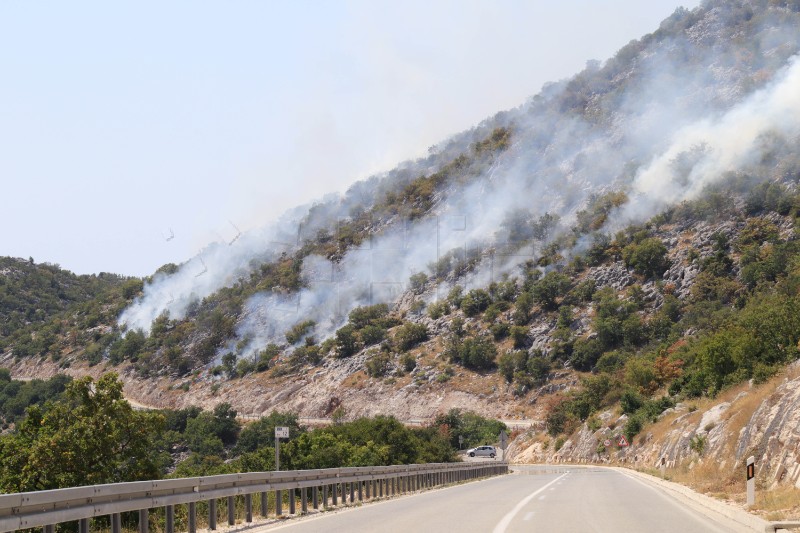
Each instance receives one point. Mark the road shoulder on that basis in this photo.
(732, 517)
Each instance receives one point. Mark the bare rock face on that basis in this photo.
(773, 435)
(616, 276)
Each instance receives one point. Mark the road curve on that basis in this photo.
(533, 498)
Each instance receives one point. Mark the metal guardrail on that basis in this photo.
(50, 507)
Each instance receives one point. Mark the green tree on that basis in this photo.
(475, 429)
(261, 433)
(551, 287)
(209, 432)
(346, 341)
(410, 334)
(92, 436)
(648, 257)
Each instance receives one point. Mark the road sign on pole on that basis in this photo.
(460, 442)
(751, 481)
(622, 441)
(280, 433)
(503, 443)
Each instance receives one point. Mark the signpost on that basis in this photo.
(607, 443)
(280, 433)
(751, 481)
(503, 443)
(460, 442)
(622, 441)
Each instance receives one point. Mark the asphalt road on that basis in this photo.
(546, 499)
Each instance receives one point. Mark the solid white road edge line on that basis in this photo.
(503, 524)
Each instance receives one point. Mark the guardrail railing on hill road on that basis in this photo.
(317, 487)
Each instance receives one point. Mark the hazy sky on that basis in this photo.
(122, 123)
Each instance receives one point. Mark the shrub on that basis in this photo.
(648, 257)
(378, 365)
(360, 317)
(477, 353)
(630, 402)
(522, 312)
(417, 282)
(410, 334)
(372, 334)
(476, 301)
(499, 330)
(506, 367)
(346, 341)
(550, 288)
(632, 428)
(520, 336)
(408, 362)
(585, 354)
(538, 367)
(298, 331)
(438, 309)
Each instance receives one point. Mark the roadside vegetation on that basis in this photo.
(87, 433)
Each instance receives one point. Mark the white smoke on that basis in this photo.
(667, 137)
(710, 148)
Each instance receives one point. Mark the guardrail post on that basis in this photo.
(116, 524)
(278, 503)
(334, 499)
(212, 514)
(144, 525)
(169, 519)
(360, 491)
(325, 496)
(352, 492)
(231, 511)
(303, 500)
(192, 517)
(248, 508)
(291, 501)
(315, 497)
(367, 488)
(83, 525)
(50, 528)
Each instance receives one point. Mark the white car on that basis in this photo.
(482, 451)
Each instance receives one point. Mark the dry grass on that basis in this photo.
(357, 380)
(779, 503)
